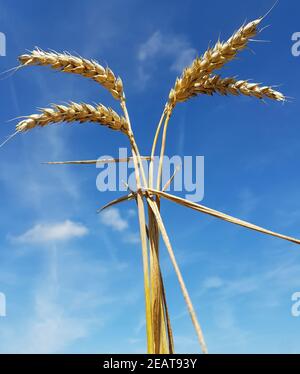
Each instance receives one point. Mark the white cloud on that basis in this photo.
(151, 47)
(183, 59)
(229, 288)
(112, 218)
(52, 329)
(174, 47)
(43, 233)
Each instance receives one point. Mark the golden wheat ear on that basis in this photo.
(225, 86)
(213, 59)
(74, 112)
(77, 65)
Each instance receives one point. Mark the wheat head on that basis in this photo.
(225, 86)
(213, 59)
(76, 65)
(74, 112)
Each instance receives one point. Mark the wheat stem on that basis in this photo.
(171, 179)
(223, 216)
(94, 162)
(159, 308)
(143, 234)
(179, 275)
(162, 150)
(155, 140)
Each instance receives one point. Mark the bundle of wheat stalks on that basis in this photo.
(196, 79)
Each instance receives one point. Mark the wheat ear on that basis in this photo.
(225, 86)
(74, 112)
(213, 59)
(76, 65)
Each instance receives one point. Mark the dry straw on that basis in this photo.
(195, 80)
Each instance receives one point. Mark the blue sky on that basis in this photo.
(72, 279)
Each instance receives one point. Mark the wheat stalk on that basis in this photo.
(94, 162)
(223, 216)
(213, 59)
(74, 112)
(184, 290)
(225, 86)
(76, 65)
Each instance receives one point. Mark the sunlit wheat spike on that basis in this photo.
(225, 86)
(74, 112)
(76, 65)
(213, 59)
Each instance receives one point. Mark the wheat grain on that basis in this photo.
(76, 65)
(74, 112)
(225, 86)
(213, 59)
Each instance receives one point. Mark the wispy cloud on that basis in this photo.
(52, 329)
(173, 46)
(159, 46)
(68, 301)
(212, 282)
(112, 218)
(44, 233)
(283, 274)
